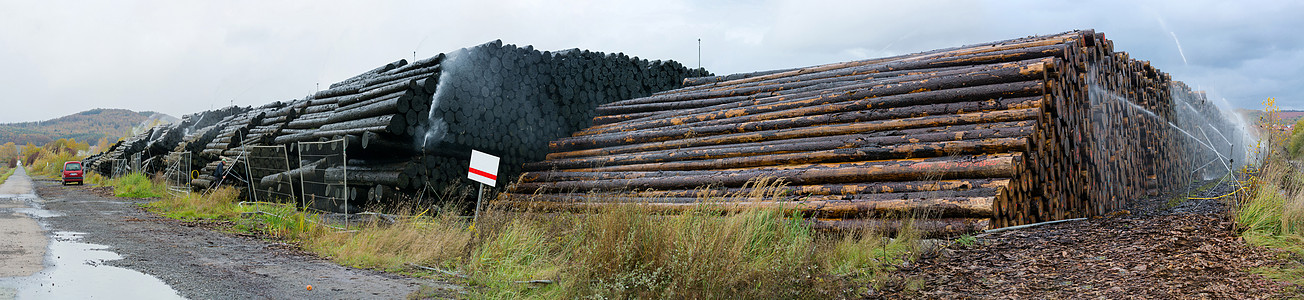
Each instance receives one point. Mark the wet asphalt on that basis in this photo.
(108, 248)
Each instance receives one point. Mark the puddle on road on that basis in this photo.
(75, 270)
(36, 212)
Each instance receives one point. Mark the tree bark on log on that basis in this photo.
(813, 131)
(970, 207)
(847, 112)
(864, 92)
(885, 138)
(956, 167)
(1000, 145)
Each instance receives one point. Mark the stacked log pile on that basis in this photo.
(190, 134)
(122, 151)
(410, 126)
(511, 101)
(990, 135)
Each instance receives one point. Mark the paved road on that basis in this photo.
(106, 233)
(22, 243)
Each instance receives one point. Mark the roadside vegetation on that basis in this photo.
(136, 185)
(5, 171)
(616, 252)
(47, 160)
(619, 252)
(1272, 214)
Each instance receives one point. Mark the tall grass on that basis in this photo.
(90, 177)
(219, 204)
(441, 240)
(4, 174)
(137, 185)
(1272, 214)
(624, 251)
(1276, 203)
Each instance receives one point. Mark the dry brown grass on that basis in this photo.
(435, 241)
(623, 251)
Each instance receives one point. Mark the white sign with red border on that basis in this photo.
(484, 168)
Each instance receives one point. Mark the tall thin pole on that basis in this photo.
(253, 193)
(344, 155)
(699, 53)
(478, 198)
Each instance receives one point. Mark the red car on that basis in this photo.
(72, 172)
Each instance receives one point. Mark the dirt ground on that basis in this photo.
(1154, 250)
(201, 263)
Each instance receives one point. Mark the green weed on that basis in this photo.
(4, 174)
(625, 251)
(219, 204)
(966, 240)
(1272, 215)
(136, 185)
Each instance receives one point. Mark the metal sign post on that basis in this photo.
(484, 169)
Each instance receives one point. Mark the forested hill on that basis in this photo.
(87, 126)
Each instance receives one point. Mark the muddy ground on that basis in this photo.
(205, 264)
(1157, 249)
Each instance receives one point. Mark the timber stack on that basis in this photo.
(408, 127)
(998, 134)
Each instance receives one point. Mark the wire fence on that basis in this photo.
(323, 176)
(268, 168)
(134, 165)
(120, 168)
(178, 173)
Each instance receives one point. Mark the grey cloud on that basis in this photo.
(180, 57)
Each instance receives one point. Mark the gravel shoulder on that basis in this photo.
(204, 264)
(1153, 250)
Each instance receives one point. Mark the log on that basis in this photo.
(800, 88)
(999, 145)
(364, 175)
(804, 190)
(986, 98)
(369, 74)
(389, 88)
(381, 106)
(390, 123)
(975, 166)
(940, 53)
(814, 131)
(691, 81)
(972, 207)
(1012, 55)
(993, 79)
(923, 135)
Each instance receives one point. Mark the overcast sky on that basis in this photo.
(180, 57)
